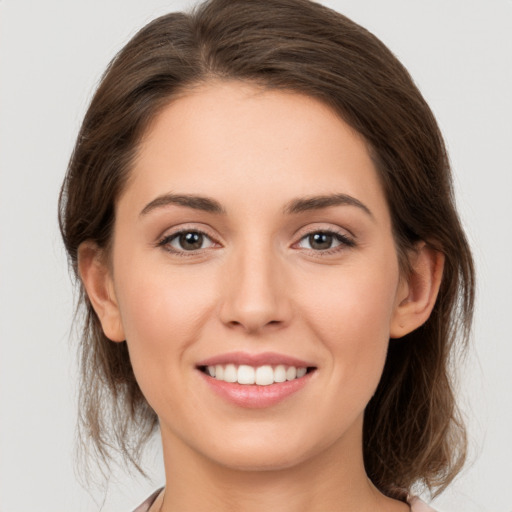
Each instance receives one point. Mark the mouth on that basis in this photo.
(263, 375)
(255, 380)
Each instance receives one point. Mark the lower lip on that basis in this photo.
(254, 396)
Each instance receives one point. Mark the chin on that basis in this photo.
(259, 452)
(260, 461)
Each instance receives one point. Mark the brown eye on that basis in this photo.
(325, 240)
(320, 241)
(187, 241)
(190, 241)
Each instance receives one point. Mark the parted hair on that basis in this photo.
(413, 434)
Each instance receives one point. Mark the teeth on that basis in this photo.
(262, 375)
(279, 373)
(245, 374)
(301, 372)
(230, 373)
(291, 373)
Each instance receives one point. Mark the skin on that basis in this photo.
(256, 285)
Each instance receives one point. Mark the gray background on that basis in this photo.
(52, 54)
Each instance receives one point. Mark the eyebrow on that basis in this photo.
(207, 204)
(325, 201)
(201, 203)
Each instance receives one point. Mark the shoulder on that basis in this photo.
(419, 506)
(144, 507)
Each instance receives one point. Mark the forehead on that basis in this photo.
(234, 140)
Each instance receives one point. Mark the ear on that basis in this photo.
(97, 280)
(418, 291)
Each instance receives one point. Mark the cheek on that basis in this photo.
(352, 315)
(163, 313)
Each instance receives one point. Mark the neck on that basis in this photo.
(333, 480)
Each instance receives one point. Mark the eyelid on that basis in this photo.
(199, 227)
(347, 240)
(324, 227)
(163, 241)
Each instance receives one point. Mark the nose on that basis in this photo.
(255, 296)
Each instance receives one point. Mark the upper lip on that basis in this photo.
(264, 358)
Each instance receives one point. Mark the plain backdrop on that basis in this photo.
(52, 54)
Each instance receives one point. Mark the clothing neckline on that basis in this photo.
(415, 503)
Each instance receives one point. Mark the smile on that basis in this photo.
(261, 375)
(255, 380)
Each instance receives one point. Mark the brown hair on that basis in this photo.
(412, 431)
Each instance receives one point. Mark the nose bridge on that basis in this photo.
(255, 292)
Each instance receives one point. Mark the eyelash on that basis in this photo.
(344, 242)
(166, 241)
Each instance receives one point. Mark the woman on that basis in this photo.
(260, 214)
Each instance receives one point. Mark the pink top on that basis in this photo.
(416, 504)
(419, 506)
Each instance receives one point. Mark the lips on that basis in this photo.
(255, 380)
(255, 360)
(264, 375)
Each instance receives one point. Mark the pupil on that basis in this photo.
(320, 241)
(191, 241)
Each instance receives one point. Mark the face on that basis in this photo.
(253, 244)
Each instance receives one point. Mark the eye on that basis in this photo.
(324, 240)
(187, 241)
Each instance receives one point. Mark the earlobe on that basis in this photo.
(98, 284)
(418, 291)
